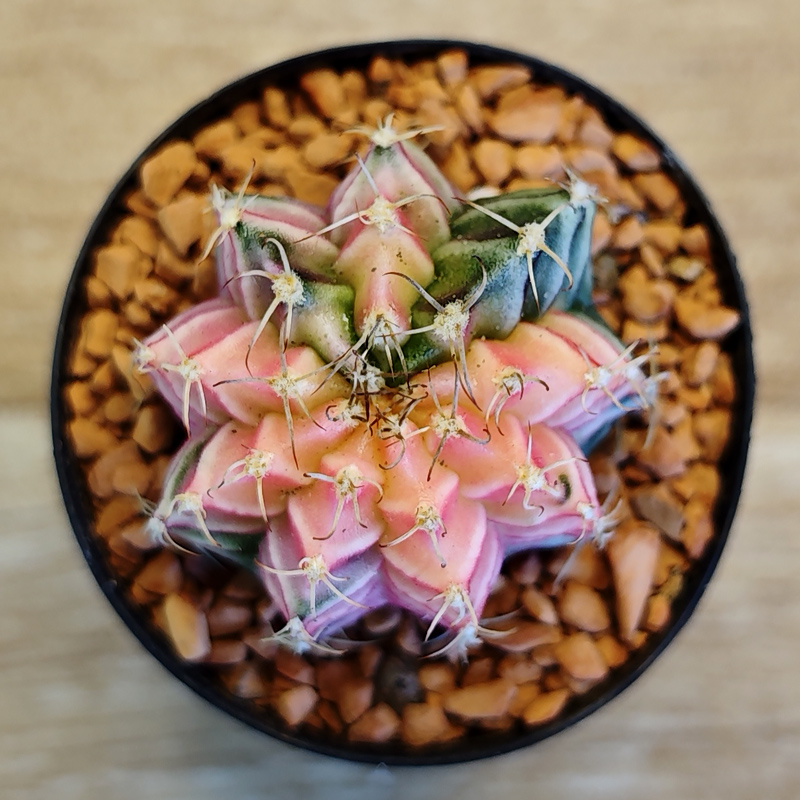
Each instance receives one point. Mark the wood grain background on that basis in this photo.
(84, 85)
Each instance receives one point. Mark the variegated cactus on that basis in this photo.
(389, 397)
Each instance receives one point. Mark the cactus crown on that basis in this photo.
(390, 396)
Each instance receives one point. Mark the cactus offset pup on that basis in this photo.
(389, 397)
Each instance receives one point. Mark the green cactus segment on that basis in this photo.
(249, 249)
(324, 320)
(572, 241)
(459, 268)
(182, 464)
(508, 296)
(240, 549)
(568, 235)
(519, 208)
(311, 258)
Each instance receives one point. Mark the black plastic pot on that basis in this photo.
(738, 345)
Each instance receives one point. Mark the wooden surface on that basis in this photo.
(84, 85)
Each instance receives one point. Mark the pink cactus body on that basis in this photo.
(350, 485)
(532, 373)
(399, 171)
(337, 514)
(609, 377)
(249, 471)
(245, 391)
(459, 589)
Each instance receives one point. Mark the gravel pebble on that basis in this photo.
(98, 332)
(489, 81)
(186, 627)
(378, 724)
(519, 669)
(579, 656)
(664, 235)
(523, 116)
(247, 116)
(324, 87)
(226, 617)
(468, 105)
(162, 574)
(331, 674)
(494, 159)
(488, 700)
(545, 707)
(355, 697)
(539, 161)
(213, 139)
(479, 670)
(628, 234)
(698, 530)
(686, 268)
(658, 612)
(666, 457)
(658, 189)
(593, 130)
(700, 480)
(694, 240)
(226, 652)
(614, 653)
(634, 153)
(452, 67)
(153, 429)
(423, 724)
(165, 172)
(657, 504)
(632, 553)
(539, 605)
(88, 438)
(437, 676)
(326, 150)
(703, 321)
(182, 221)
(101, 474)
(583, 607)
(525, 635)
(295, 704)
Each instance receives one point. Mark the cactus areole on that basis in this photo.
(391, 395)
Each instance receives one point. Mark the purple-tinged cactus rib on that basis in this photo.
(453, 596)
(610, 376)
(287, 290)
(533, 372)
(246, 225)
(397, 169)
(307, 584)
(172, 356)
(544, 486)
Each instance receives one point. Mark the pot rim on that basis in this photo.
(731, 466)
